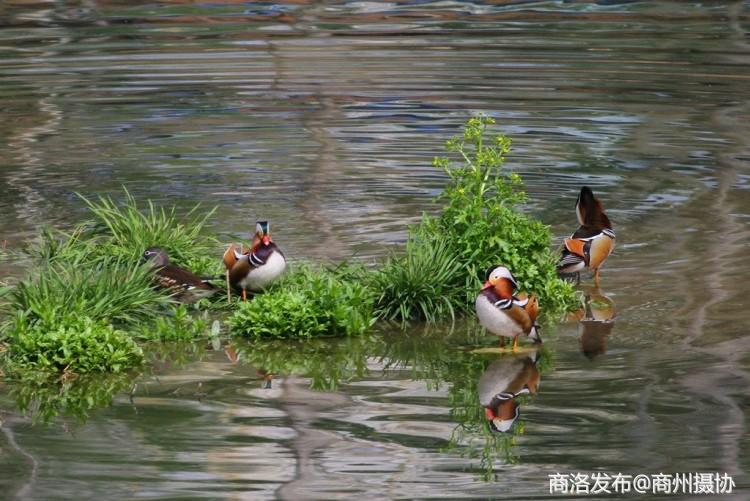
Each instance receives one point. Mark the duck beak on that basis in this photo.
(486, 285)
(488, 412)
(266, 240)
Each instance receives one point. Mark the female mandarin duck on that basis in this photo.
(186, 285)
(502, 312)
(592, 242)
(258, 267)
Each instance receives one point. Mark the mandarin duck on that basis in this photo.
(185, 285)
(504, 313)
(259, 266)
(505, 379)
(592, 242)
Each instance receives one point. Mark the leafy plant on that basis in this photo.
(480, 226)
(179, 325)
(307, 303)
(108, 289)
(74, 344)
(420, 284)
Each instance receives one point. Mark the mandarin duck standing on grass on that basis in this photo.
(186, 285)
(504, 313)
(254, 270)
(592, 242)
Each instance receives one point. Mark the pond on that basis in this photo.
(324, 118)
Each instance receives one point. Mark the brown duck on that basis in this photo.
(185, 285)
(592, 242)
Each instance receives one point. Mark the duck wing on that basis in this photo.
(171, 276)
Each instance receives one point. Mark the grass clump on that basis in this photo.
(307, 303)
(109, 289)
(420, 284)
(478, 226)
(90, 293)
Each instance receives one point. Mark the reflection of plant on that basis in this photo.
(307, 303)
(45, 398)
(327, 362)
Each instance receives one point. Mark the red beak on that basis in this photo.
(266, 240)
(486, 285)
(488, 412)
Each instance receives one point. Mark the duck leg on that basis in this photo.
(578, 278)
(596, 277)
(229, 289)
(502, 341)
(515, 344)
(244, 294)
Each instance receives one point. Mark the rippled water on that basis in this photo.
(323, 118)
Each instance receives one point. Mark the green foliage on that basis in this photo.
(72, 344)
(126, 230)
(307, 303)
(179, 326)
(93, 280)
(109, 289)
(420, 284)
(447, 255)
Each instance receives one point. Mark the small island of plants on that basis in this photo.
(89, 301)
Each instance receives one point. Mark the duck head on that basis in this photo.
(503, 413)
(157, 256)
(589, 210)
(262, 234)
(502, 280)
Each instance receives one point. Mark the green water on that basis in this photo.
(324, 118)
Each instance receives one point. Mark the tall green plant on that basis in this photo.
(482, 223)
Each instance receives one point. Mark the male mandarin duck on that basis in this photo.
(592, 242)
(258, 267)
(504, 313)
(186, 285)
(505, 379)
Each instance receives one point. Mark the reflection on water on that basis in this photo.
(323, 117)
(596, 318)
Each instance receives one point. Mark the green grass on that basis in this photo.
(93, 281)
(423, 283)
(110, 289)
(308, 302)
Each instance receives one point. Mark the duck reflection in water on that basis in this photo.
(596, 318)
(505, 379)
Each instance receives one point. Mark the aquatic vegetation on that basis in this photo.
(420, 284)
(479, 225)
(308, 302)
(70, 344)
(177, 325)
(110, 289)
(44, 398)
(125, 230)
